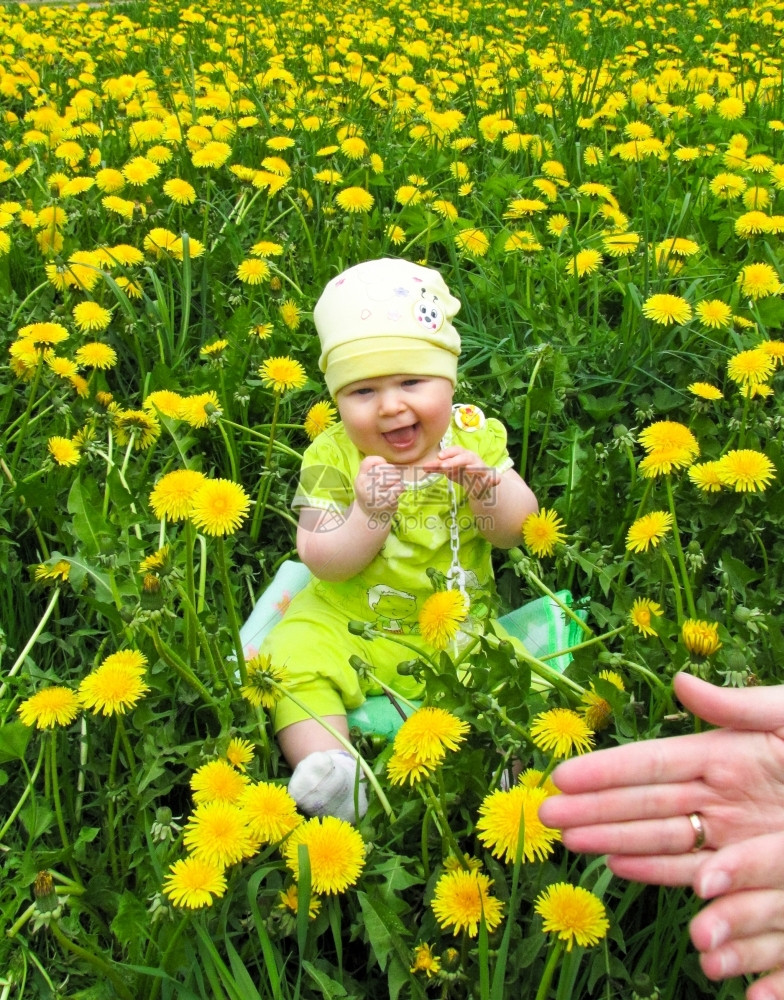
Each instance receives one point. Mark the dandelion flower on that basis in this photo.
(699, 637)
(585, 262)
(543, 531)
(264, 681)
(751, 367)
(288, 902)
(573, 914)
(336, 853)
(355, 200)
(239, 753)
(666, 309)
(96, 355)
(429, 732)
(63, 451)
(116, 685)
(217, 781)
(173, 494)
(218, 832)
(595, 709)
(58, 573)
(713, 313)
(290, 314)
(281, 374)
(180, 192)
(562, 731)
(758, 281)
(704, 390)
(138, 425)
(194, 882)
(462, 898)
(557, 224)
(648, 530)
(318, 418)
(441, 617)
(270, 811)
(731, 108)
(197, 410)
(253, 271)
(500, 817)
(219, 506)
(473, 242)
(423, 960)
(643, 610)
(746, 470)
(89, 316)
(213, 154)
(266, 248)
(139, 170)
(706, 476)
(50, 707)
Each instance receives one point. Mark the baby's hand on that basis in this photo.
(378, 486)
(466, 468)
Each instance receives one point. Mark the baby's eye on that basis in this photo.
(365, 391)
(412, 381)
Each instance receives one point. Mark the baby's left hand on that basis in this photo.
(467, 469)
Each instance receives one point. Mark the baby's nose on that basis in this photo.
(390, 402)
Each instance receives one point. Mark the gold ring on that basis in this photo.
(699, 831)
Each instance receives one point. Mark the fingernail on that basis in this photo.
(712, 884)
(728, 964)
(720, 934)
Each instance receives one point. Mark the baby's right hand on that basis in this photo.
(378, 486)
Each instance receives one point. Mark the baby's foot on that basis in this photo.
(323, 785)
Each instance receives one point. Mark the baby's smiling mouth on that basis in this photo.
(401, 437)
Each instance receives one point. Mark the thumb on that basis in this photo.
(758, 708)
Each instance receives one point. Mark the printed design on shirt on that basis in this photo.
(393, 609)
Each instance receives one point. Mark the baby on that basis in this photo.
(375, 507)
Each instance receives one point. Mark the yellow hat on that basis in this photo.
(386, 317)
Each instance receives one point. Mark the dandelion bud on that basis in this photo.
(44, 892)
(361, 628)
(410, 668)
(361, 666)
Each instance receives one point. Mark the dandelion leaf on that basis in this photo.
(14, 737)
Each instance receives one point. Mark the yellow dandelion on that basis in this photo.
(501, 815)
(270, 811)
(50, 707)
(288, 902)
(217, 781)
(180, 192)
(751, 367)
(173, 494)
(585, 262)
(713, 313)
(96, 355)
(699, 637)
(642, 613)
(197, 410)
(441, 616)
(218, 832)
(557, 225)
(704, 390)
(663, 461)
(573, 914)
(239, 753)
(706, 476)
(318, 418)
(253, 271)
(423, 960)
(336, 853)
(219, 506)
(473, 242)
(666, 309)
(266, 248)
(142, 428)
(89, 316)
(355, 200)
(647, 531)
(543, 531)
(194, 882)
(63, 451)
(462, 900)
(116, 685)
(290, 314)
(746, 470)
(280, 374)
(212, 154)
(562, 731)
(759, 280)
(595, 708)
(429, 733)
(263, 689)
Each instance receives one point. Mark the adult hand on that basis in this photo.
(633, 802)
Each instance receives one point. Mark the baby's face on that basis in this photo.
(401, 418)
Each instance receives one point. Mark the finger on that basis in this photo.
(737, 916)
(674, 869)
(758, 953)
(768, 988)
(760, 708)
(615, 805)
(674, 759)
(657, 836)
(756, 863)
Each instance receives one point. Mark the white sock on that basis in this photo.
(323, 785)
